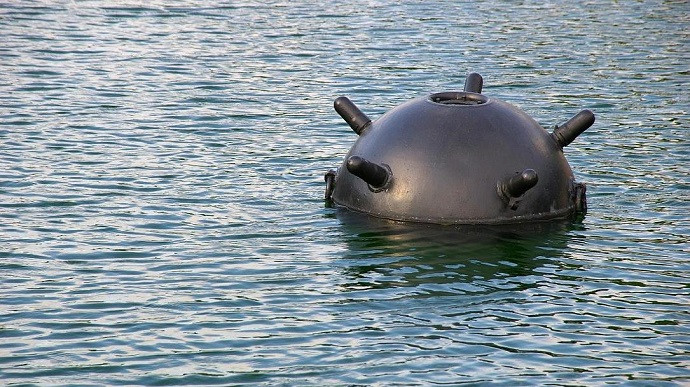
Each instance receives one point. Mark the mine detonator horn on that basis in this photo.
(377, 176)
(357, 120)
(512, 188)
(474, 83)
(566, 133)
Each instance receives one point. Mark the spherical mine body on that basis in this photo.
(458, 158)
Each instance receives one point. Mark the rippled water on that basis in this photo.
(161, 184)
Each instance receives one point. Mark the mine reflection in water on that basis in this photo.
(446, 258)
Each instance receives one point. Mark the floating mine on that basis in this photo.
(457, 158)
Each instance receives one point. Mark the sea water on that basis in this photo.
(161, 196)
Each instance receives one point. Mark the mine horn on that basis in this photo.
(514, 187)
(377, 176)
(566, 133)
(357, 120)
(474, 83)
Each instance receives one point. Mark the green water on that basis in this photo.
(161, 185)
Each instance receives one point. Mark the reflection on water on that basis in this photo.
(386, 253)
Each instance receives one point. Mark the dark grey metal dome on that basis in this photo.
(457, 158)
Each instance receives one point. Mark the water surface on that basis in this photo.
(161, 184)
